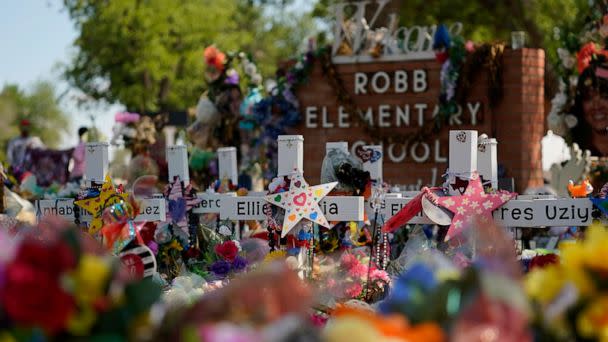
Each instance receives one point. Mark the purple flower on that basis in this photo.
(220, 268)
(239, 263)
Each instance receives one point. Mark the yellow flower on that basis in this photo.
(544, 284)
(353, 329)
(596, 254)
(275, 255)
(91, 278)
(81, 323)
(593, 321)
(176, 245)
(6, 337)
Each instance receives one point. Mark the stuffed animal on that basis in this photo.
(581, 190)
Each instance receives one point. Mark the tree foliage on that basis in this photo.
(39, 105)
(148, 54)
(492, 20)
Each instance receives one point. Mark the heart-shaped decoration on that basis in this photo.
(297, 209)
(298, 184)
(319, 192)
(300, 199)
(292, 217)
(277, 198)
(313, 215)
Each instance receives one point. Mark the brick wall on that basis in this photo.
(517, 122)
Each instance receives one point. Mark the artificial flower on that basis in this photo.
(275, 255)
(354, 290)
(593, 320)
(586, 54)
(541, 261)
(239, 263)
(90, 278)
(32, 282)
(228, 250)
(220, 268)
(215, 58)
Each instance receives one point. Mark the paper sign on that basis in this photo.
(335, 208)
(152, 209)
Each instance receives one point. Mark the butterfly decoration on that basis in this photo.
(368, 154)
(180, 200)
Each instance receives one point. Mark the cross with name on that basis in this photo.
(96, 158)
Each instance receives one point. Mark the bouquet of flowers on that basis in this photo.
(571, 297)
(57, 284)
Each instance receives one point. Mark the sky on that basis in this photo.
(36, 38)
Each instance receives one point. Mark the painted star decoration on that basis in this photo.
(473, 204)
(108, 196)
(301, 202)
(179, 202)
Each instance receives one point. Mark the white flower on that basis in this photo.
(299, 65)
(256, 79)
(566, 58)
(556, 123)
(250, 69)
(270, 85)
(242, 55)
(559, 100)
(570, 120)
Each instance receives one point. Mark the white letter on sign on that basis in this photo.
(400, 81)
(419, 81)
(342, 117)
(360, 83)
(385, 83)
(311, 114)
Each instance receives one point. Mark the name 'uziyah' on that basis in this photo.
(385, 116)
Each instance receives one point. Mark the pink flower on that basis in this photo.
(469, 46)
(354, 290)
(379, 275)
(358, 271)
(348, 260)
(318, 320)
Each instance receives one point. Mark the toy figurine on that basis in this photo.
(581, 190)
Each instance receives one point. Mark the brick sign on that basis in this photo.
(400, 96)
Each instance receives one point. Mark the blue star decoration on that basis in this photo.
(601, 204)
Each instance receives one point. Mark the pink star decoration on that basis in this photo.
(473, 204)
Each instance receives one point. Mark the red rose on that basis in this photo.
(541, 261)
(227, 250)
(32, 294)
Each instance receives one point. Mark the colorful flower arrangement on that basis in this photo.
(570, 296)
(57, 285)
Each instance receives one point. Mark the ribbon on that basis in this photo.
(411, 209)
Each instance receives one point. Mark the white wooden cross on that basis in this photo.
(254, 207)
(524, 211)
(96, 158)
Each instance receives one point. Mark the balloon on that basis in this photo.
(118, 213)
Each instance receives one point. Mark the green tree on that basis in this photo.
(148, 55)
(491, 20)
(40, 106)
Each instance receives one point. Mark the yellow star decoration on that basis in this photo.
(96, 205)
